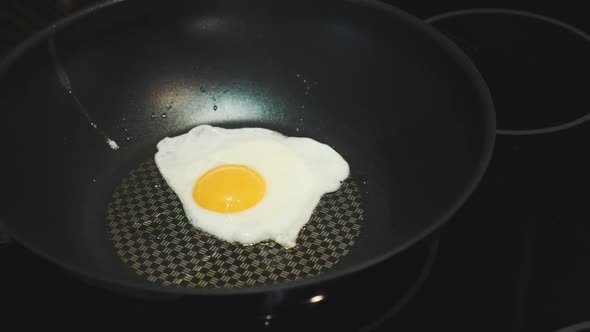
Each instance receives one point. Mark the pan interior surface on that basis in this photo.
(407, 111)
(152, 235)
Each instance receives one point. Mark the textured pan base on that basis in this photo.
(152, 235)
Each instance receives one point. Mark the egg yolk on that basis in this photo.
(229, 188)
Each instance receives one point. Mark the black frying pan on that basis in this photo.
(401, 103)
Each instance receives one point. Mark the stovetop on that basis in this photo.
(515, 258)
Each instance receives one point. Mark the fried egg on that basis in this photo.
(249, 185)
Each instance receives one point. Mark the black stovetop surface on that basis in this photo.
(517, 255)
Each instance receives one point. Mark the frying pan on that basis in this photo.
(395, 98)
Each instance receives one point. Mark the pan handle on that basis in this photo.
(5, 239)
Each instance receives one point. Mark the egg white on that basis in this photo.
(297, 172)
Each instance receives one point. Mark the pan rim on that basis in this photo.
(485, 157)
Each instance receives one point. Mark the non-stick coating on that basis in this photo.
(405, 108)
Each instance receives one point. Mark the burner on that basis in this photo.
(526, 225)
(537, 68)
